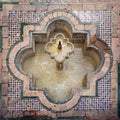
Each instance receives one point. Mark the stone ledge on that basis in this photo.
(4, 90)
(100, 6)
(5, 77)
(50, 16)
(4, 101)
(88, 7)
(5, 32)
(0, 18)
(4, 111)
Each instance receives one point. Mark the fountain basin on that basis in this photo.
(52, 48)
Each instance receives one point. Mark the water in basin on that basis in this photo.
(58, 83)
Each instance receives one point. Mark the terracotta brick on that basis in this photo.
(43, 23)
(50, 16)
(55, 14)
(59, 13)
(73, 19)
(69, 16)
(46, 19)
(64, 14)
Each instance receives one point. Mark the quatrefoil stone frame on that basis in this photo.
(27, 42)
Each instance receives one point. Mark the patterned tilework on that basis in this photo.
(25, 16)
(14, 29)
(105, 27)
(14, 88)
(87, 16)
(16, 103)
(100, 18)
(17, 17)
(102, 101)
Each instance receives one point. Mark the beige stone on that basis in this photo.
(77, 7)
(100, 6)
(55, 14)
(115, 43)
(50, 16)
(4, 101)
(0, 18)
(24, 1)
(4, 32)
(114, 18)
(5, 77)
(88, 7)
(4, 89)
(4, 111)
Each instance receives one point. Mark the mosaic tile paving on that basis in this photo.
(19, 104)
(102, 19)
(103, 101)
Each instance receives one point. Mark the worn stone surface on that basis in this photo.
(100, 6)
(4, 32)
(4, 89)
(88, 7)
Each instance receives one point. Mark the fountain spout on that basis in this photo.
(59, 46)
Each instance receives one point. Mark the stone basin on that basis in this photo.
(58, 84)
(52, 48)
